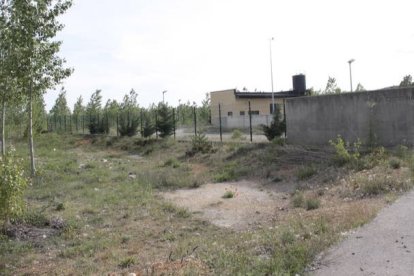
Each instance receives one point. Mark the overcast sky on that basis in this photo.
(191, 47)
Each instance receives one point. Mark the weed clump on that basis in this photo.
(312, 204)
(306, 172)
(298, 199)
(200, 143)
(127, 262)
(345, 154)
(12, 185)
(172, 162)
(237, 135)
(394, 163)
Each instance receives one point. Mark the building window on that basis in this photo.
(255, 112)
(274, 108)
(230, 113)
(241, 113)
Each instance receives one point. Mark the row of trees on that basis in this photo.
(332, 87)
(29, 61)
(127, 115)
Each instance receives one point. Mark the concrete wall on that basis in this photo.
(385, 117)
(241, 122)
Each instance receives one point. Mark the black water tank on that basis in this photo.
(299, 84)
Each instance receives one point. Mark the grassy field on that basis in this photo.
(96, 207)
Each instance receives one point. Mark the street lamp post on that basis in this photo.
(350, 71)
(271, 74)
(163, 92)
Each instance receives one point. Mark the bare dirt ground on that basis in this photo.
(251, 207)
(383, 247)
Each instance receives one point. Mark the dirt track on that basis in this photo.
(251, 206)
(383, 247)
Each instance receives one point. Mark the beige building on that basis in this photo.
(232, 106)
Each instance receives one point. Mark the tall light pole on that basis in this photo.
(163, 92)
(271, 74)
(350, 71)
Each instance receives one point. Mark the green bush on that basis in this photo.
(306, 172)
(236, 135)
(127, 125)
(312, 203)
(200, 143)
(394, 163)
(343, 155)
(276, 128)
(12, 186)
(298, 199)
(172, 162)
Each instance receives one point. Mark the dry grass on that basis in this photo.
(118, 223)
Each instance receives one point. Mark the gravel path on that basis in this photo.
(383, 247)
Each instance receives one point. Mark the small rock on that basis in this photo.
(132, 274)
(132, 175)
(104, 160)
(96, 189)
(353, 253)
(44, 236)
(361, 269)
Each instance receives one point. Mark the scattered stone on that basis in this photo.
(57, 223)
(353, 253)
(104, 160)
(361, 269)
(132, 175)
(132, 274)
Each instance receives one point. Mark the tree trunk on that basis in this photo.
(31, 146)
(3, 129)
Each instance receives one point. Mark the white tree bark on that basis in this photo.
(3, 129)
(31, 146)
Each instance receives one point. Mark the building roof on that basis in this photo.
(264, 95)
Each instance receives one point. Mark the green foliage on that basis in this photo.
(298, 199)
(236, 135)
(312, 203)
(165, 123)
(332, 87)
(12, 186)
(342, 155)
(360, 88)
(394, 163)
(402, 151)
(127, 262)
(306, 172)
(79, 108)
(94, 110)
(200, 143)
(128, 118)
(276, 128)
(172, 162)
(148, 124)
(226, 173)
(407, 81)
(61, 106)
(230, 193)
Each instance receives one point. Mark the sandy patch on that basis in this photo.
(251, 207)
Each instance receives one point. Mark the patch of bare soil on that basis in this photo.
(251, 206)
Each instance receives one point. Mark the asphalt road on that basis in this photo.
(383, 247)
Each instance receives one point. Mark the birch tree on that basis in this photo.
(34, 27)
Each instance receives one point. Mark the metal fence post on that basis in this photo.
(156, 123)
(142, 127)
(195, 121)
(117, 124)
(174, 121)
(250, 123)
(221, 133)
(284, 116)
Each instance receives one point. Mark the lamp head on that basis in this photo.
(351, 60)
